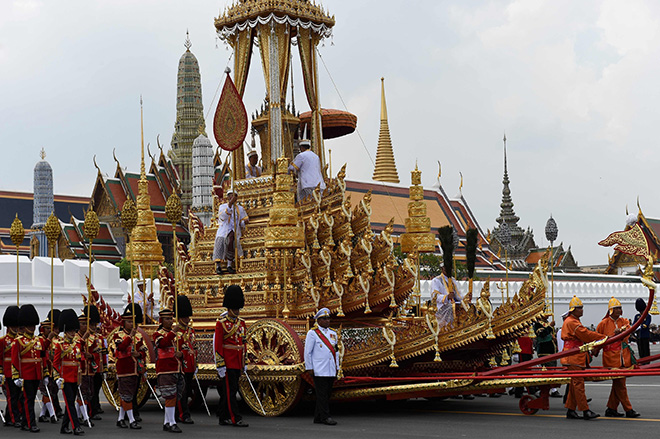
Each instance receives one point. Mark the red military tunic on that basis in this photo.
(94, 346)
(27, 357)
(188, 346)
(68, 359)
(123, 346)
(613, 354)
(5, 352)
(575, 335)
(229, 342)
(166, 361)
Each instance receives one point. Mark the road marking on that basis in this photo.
(461, 412)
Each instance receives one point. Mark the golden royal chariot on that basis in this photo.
(301, 255)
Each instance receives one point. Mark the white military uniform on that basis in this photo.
(440, 285)
(318, 356)
(226, 220)
(308, 166)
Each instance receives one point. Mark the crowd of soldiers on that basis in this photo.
(69, 354)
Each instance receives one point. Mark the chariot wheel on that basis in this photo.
(524, 405)
(272, 342)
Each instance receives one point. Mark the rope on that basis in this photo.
(364, 145)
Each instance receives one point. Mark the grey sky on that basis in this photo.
(573, 84)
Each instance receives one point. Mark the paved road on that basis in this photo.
(491, 418)
(479, 418)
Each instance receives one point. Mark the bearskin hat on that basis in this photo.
(233, 298)
(68, 321)
(55, 313)
(184, 306)
(28, 316)
(10, 318)
(94, 316)
(640, 305)
(128, 312)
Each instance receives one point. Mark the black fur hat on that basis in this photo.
(28, 315)
(94, 316)
(10, 318)
(128, 313)
(640, 305)
(184, 306)
(233, 298)
(55, 320)
(68, 321)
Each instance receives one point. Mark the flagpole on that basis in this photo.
(17, 234)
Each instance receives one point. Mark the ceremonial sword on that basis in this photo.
(254, 391)
(82, 400)
(49, 397)
(201, 394)
(114, 403)
(154, 393)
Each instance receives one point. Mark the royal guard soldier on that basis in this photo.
(12, 392)
(188, 347)
(169, 359)
(87, 372)
(229, 347)
(574, 336)
(27, 364)
(617, 356)
(125, 345)
(68, 360)
(321, 363)
(48, 387)
(98, 365)
(142, 360)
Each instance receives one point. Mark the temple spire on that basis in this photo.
(506, 207)
(385, 169)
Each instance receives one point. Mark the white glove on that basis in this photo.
(60, 382)
(222, 371)
(2, 379)
(19, 383)
(105, 376)
(196, 370)
(46, 381)
(245, 368)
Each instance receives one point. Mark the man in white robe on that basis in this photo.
(251, 168)
(307, 166)
(447, 295)
(232, 219)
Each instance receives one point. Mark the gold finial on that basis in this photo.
(17, 232)
(142, 171)
(460, 188)
(439, 170)
(416, 176)
(383, 105)
(129, 216)
(42, 154)
(187, 44)
(173, 209)
(92, 225)
(52, 229)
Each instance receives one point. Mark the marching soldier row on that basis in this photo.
(71, 356)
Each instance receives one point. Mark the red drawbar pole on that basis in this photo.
(566, 353)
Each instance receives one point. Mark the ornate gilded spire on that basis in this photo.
(144, 249)
(506, 213)
(187, 44)
(418, 236)
(385, 169)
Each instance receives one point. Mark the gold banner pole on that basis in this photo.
(52, 230)
(17, 234)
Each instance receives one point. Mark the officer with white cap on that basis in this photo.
(251, 168)
(321, 363)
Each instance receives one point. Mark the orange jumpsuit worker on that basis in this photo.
(574, 336)
(617, 356)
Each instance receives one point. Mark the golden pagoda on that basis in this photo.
(418, 234)
(144, 249)
(385, 169)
